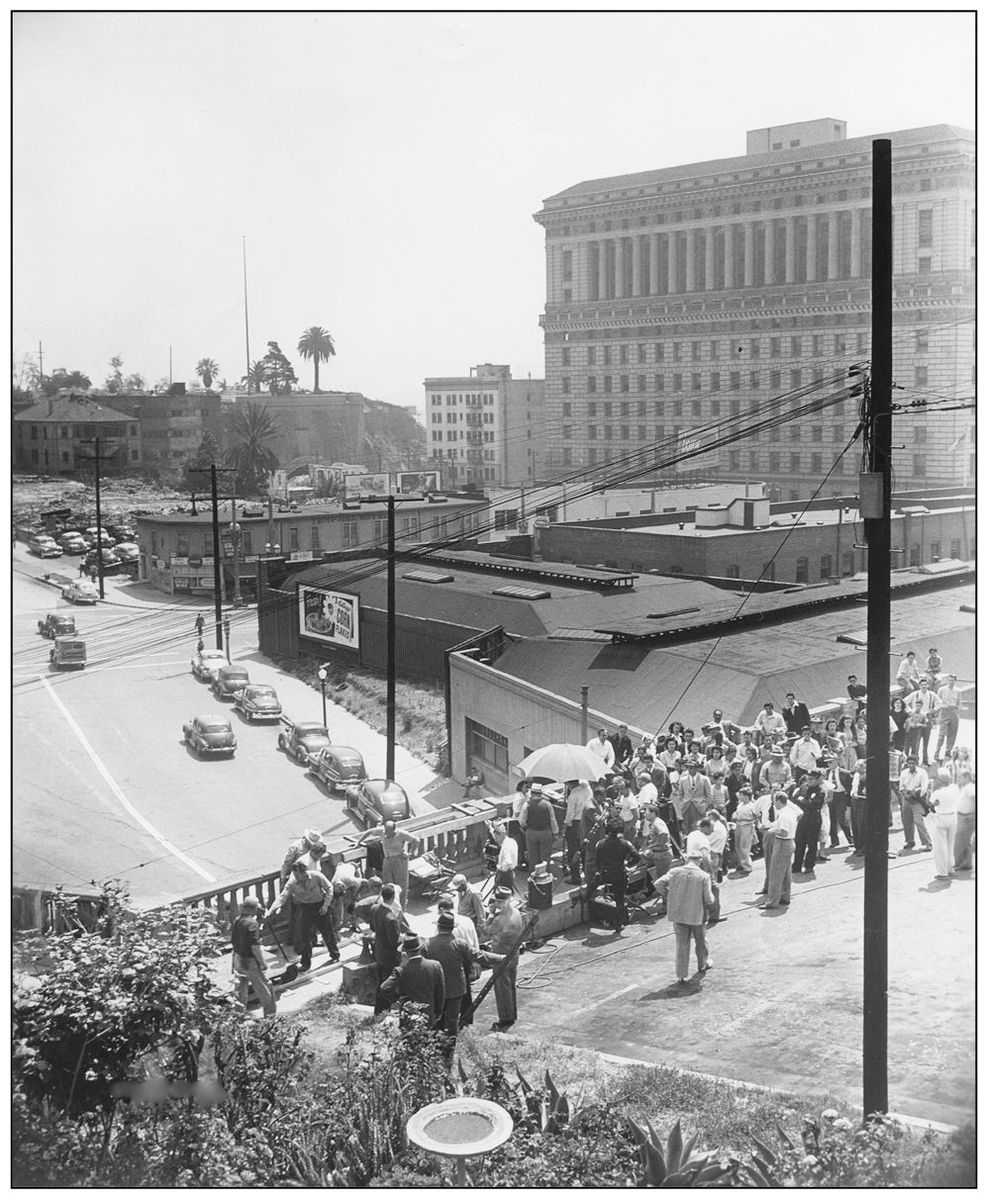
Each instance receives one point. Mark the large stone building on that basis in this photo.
(680, 297)
(57, 436)
(485, 428)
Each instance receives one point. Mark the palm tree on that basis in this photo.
(255, 376)
(207, 370)
(316, 343)
(252, 427)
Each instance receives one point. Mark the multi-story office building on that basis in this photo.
(485, 428)
(57, 436)
(684, 296)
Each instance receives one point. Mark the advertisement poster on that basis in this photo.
(331, 616)
(422, 481)
(367, 484)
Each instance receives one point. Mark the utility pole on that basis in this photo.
(217, 547)
(875, 505)
(41, 367)
(391, 643)
(99, 528)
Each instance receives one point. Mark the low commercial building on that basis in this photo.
(648, 672)
(177, 547)
(57, 436)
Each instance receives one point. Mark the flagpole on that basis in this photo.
(246, 320)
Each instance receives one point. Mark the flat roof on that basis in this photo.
(330, 508)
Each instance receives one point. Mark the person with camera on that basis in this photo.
(612, 855)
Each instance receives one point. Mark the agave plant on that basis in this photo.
(674, 1165)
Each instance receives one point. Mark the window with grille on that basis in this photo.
(801, 570)
(486, 745)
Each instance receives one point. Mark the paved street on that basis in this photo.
(103, 785)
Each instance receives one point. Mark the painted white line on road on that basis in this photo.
(114, 787)
(606, 999)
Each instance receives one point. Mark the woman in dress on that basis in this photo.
(899, 714)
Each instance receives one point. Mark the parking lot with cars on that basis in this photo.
(104, 781)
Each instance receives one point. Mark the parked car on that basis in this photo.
(229, 681)
(73, 543)
(67, 653)
(338, 766)
(209, 735)
(207, 663)
(258, 702)
(80, 591)
(252, 510)
(111, 563)
(57, 624)
(106, 541)
(122, 532)
(302, 741)
(377, 800)
(44, 546)
(127, 551)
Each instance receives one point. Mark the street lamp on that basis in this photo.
(235, 538)
(323, 675)
(272, 550)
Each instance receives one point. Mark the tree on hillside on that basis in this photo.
(279, 375)
(253, 380)
(316, 343)
(73, 380)
(134, 382)
(203, 458)
(251, 429)
(114, 381)
(207, 370)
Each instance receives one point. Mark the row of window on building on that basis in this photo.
(453, 418)
(486, 435)
(476, 398)
(69, 432)
(753, 461)
(714, 381)
(473, 455)
(794, 346)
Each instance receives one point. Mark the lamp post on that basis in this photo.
(235, 536)
(323, 675)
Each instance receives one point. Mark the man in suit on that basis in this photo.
(386, 921)
(455, 957)
(691, 796)
(502, 933)
(795, 715)
(689, 893)
(417, 981)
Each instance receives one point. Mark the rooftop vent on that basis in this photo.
(525, 593)
(426, 576)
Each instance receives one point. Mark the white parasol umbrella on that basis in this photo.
(563, 762)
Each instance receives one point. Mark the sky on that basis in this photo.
(384, 168)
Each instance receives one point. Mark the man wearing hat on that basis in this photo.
(468, 902)
(455, 957)
(776, 772)
(691, 796)
(612, 855)
(778, 883)
(950, 706)
(913, 791)
(311, 896)
(811, 798)
(540, 828)
(503, 932)
(298, 849)
(418, 982)
(688, 893)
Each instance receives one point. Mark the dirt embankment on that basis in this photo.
(119, 498)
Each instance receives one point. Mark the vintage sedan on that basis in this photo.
(377, 800)
(111, 563)
(80, 591)
(209, 735)
(127, 551)
(303, 741)
(229, 681)
(339, 767)
(57, 624)
(258, 702)
(73, 543)
(207, 663)
(44, 546)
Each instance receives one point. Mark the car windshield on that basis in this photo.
(213, 655)
(261, 692)
(215, 726)
(235, 674)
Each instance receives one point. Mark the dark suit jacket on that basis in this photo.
(386, 924)
(454, 956)
(796, 717)
(419, 980)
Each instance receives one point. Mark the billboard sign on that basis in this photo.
(356, 485)
(330, 616)
(422, 481)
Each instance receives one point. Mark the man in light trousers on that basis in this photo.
(688, 891)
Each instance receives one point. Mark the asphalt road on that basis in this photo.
(103, 785)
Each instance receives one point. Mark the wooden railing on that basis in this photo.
(457, 834)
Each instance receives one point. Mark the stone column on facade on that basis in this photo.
(833, 250)
(690, 260)
(728, 255)
(748, 253)
(856, 221)
(673, 262)
(710, 280)
(790, 249)
(653, 264)
(635, 266)
(618, 268)
(769, 252)
(811, 247)
(602, 289)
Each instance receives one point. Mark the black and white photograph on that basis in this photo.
(493, 603)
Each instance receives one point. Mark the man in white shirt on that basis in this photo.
(506, 859)
(600, 744)
(966, 821)
(804, 755)
(579, 797)
(950, 706)
(769, 721)
(779, 880)
(776, 772)
(913, 790)
(908, 672)
(744, 820)
(923, 708)
(945, 802)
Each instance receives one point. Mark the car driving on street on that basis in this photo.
(209, 734)
(207, 663)
(301, 741)
(67, 653)
(80, 591)
(56, 624)
(338, 766)
(229, 681)
(377, 800)
(258, 702)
